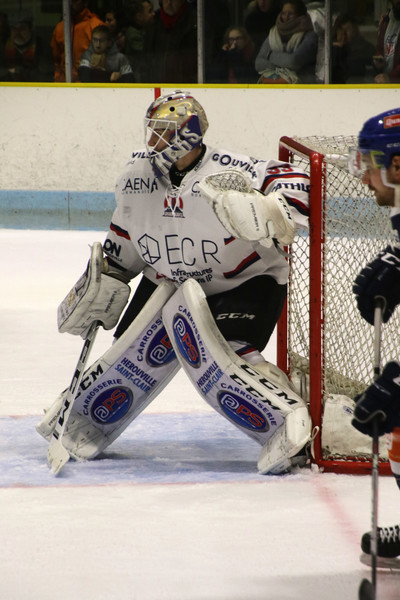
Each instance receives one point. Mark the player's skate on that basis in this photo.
(388, 555)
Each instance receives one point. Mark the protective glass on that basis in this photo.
(360, 161)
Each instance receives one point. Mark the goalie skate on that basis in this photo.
(119, 385)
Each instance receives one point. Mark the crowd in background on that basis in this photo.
(155, 41)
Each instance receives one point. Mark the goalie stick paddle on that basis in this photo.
(57, 455)
(367, 589)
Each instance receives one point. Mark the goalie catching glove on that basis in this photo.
(96, 296)
(247, 213)
(381, 400)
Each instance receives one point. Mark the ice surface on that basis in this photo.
(174, 509)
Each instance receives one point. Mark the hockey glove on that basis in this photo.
(246, 213)
(381, 277)
(95, 297)
(381, 400)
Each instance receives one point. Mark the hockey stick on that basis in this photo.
(57, 455)
(367, 589)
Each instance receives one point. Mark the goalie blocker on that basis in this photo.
(95, 297)
(258, 400)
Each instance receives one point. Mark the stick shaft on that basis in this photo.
(76, 380)
(57, 455)
(379, 303)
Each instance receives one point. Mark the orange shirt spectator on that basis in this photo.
(83, 23)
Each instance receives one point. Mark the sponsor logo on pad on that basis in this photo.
(242, 412)
(111, 405)
(186, 341)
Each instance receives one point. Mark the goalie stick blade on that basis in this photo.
(366, 591)
(57, 456)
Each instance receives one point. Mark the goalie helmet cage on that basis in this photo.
(320, 332)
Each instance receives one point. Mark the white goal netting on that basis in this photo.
(354, 230)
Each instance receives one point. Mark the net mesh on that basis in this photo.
(356, 229)
(229, 180)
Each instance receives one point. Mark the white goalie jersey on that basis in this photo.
(172, 232)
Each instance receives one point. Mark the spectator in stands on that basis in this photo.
(288, 54)
(387, 59)
(102, 63)
(83, 23)
(113, 21)
(316, 10)
(259, 17)
(24, 56)
(235, 61)
(351, 52)
(170, 44)
(120, 41)
(139, 15)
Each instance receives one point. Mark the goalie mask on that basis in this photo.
(174, 125)
(378, 141)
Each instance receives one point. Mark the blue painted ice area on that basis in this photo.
(156, 448)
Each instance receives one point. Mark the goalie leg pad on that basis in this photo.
(275, 374)
(47, 425)
(119, 385)
(278, 454)
(251, 400)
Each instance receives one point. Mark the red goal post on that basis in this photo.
(322, 340)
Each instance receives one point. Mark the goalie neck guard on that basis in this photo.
(180, 122)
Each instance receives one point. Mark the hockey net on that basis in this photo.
(323, 343)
